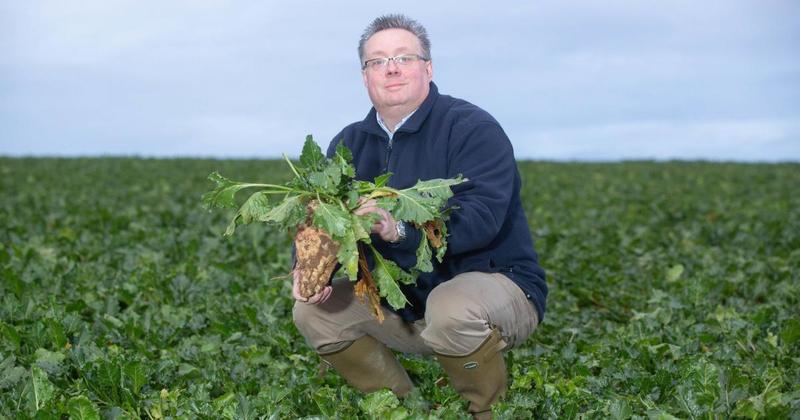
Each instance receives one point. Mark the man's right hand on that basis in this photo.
(318, 298)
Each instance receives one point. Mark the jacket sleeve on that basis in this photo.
(483, 154)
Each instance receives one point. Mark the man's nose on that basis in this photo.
(392, 67)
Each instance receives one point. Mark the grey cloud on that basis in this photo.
(574, 79)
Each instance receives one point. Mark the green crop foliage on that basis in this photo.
(325, 191)
(674, 294)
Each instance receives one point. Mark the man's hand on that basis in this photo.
(320, 297)
(385, 226)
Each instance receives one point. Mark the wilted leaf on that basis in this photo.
(442, 250)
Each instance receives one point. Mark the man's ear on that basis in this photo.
(364, 77)
(429, 69)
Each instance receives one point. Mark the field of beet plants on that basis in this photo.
(675, 293)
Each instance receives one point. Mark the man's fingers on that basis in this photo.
(325, 294)
(363, 205)
(385, 223)
(385, 215)
(321, 296)
(296, 293)
(366, 210)
(314, 299)
(296, 287)
(361, 211)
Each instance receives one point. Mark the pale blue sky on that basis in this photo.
(568, 80)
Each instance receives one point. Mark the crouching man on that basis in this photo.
(489, 293)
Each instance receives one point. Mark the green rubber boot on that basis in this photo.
(480, 377)
(368, 365)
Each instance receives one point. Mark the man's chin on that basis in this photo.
(393, 102)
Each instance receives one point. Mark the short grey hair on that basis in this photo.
(396, 21)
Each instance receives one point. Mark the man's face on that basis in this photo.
(402, 87)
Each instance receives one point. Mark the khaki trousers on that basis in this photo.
(459, 316)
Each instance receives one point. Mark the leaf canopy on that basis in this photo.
(325, 190)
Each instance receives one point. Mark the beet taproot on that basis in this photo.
(316, 259)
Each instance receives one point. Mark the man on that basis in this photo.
(489, 292)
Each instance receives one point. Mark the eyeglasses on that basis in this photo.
(400, 60)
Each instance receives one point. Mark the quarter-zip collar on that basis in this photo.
(397, 127)
(412, 125)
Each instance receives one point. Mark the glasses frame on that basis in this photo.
(383, 62)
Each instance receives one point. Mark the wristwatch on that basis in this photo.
(401, 231)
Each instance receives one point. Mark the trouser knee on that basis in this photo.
(312, 323)
(454, 325)
(303, 317)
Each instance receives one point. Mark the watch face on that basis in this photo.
(401, 230)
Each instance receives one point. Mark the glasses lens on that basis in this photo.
(400, 60)
(376, 63)
(405, 59)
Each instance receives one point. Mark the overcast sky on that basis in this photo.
(568, 80)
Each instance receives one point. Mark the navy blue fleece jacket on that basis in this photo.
(488, 231)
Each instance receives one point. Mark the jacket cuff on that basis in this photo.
(410, 242)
